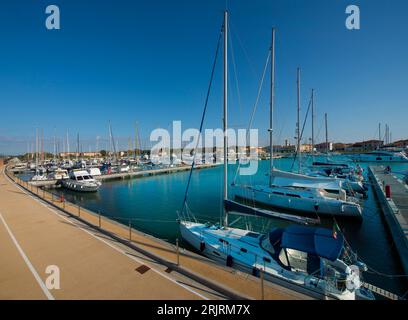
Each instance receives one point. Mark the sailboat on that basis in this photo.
(351, 178)
(311, 260)
(39, 172)
(298, 192)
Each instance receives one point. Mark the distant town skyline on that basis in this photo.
(149, 62)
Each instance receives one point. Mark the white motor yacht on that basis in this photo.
(39, 177)
(82, 181)
(59, 174)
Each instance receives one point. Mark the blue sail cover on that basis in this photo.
(317, 241)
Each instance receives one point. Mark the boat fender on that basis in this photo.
(229, 260)
(362, 266)
(202, 246)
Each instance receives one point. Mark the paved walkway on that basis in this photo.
(33, 237)
(94, 266)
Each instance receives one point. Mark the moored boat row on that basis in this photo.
(314, 259)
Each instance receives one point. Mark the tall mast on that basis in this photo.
(298, 121)
(379, 135)
(55, 146)
(130, 147)
(97, 144)
(225, 114)
(327, 135)
(69, 157)
(313, 119)
(112, 142)
(36, 151)
(272, 105)
(42, 145)
(136, 140)
(78, 153)
(140, 146)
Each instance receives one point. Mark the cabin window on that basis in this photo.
(252, 235)
(293, 195)
(278, 193)
(244, 250)
(216, 253)
(80, 178)
(266, 259)
(265, 244)
(283, 258)
(223, 241)
(297, 259)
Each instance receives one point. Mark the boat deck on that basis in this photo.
(101, 259)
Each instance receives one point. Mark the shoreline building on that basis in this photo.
(365, 146)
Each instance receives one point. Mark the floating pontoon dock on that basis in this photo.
(394, 208)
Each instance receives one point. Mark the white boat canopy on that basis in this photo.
(288, 179)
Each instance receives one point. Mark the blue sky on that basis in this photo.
(149, 61)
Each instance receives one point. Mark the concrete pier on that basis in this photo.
(100, 259)
(394, 208)
(151, 172)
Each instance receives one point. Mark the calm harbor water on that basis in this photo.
(151, 203)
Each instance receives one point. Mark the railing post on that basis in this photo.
(261, 274)
(79, 210)
(43, 193)
(99, 219)
(130, 230)
(63, 203)
(178, 251)
(52, 198)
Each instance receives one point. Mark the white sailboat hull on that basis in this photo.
(302, 202)
(196, 234)
(380, 157)
(81, 187)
